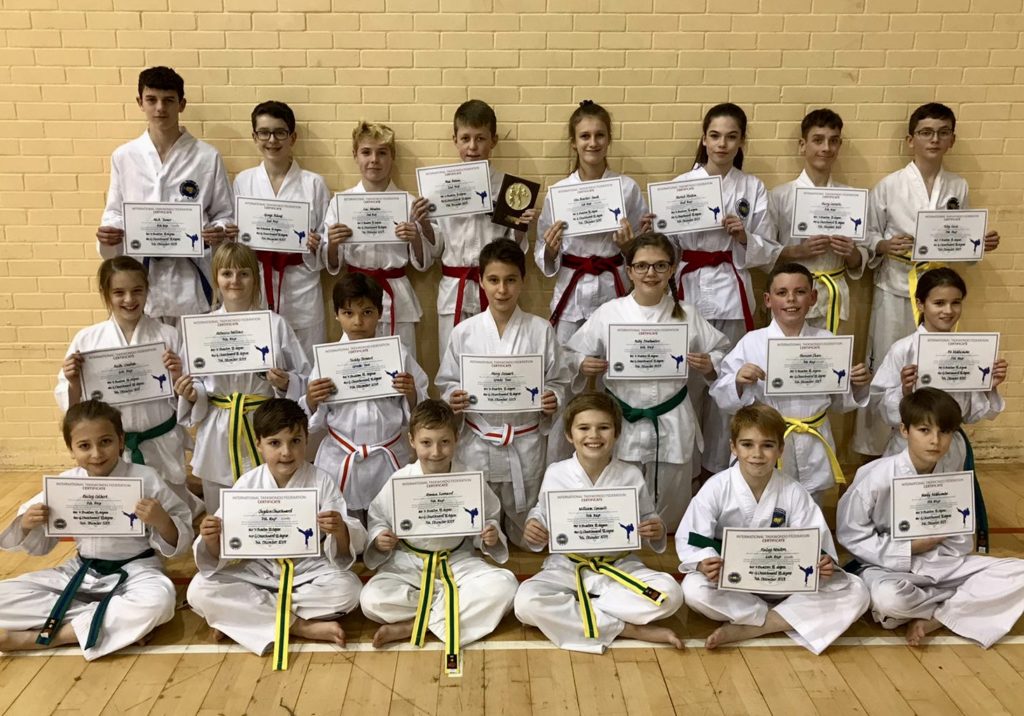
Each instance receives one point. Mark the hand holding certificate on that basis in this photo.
(273, 224)
(260, 524)
(830, 211)
(682, 207)
(503, 384)
(126, 376)
(939, 505)
(950, 235)
(456, 189)
(361, 370)
(956, 362)
(809, 366)
(647, 351)
(773, 561)
(372, 216)
(220, 343)
(92, 506)
(161, 229)
(439, 505)
(594, 520)
(593, 207)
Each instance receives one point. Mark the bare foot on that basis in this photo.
(319, 631)
(217, 634)
(144, 640)
(392, 632)
(731, 633)
(917, 629)
(26, 640)
(645, 632)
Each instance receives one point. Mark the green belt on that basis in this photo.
(603, 565)
(632, 415)
(133, 441)
(436, 566)
(701, 542)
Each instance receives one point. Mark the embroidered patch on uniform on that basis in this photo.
(779, 517)
(189, 189)
(743, 208)
(952, 203)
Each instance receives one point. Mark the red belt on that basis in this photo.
(274, 262)
(696, 260)
(383, 276)
(587, 266)
(464, 274)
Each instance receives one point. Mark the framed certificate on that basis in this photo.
(261, 524)
(503, 384)
(441, 505)
(222, 343)
(272, 224)
(950, 235)
(372, 216)
(161, 229)
(682, 207)
(780, 560)
(593, 207)
(361, 370)
(92, 506)
(456, 189)
(940, 505)
(647, 351)
(594, 520)
(125, 376)
(830, 211)
(802, 366)
(956, 362)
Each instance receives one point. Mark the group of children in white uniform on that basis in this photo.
(252, 429)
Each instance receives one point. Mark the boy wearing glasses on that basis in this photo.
(922, 185)
(291, 282)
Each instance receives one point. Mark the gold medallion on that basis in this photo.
(518, 196)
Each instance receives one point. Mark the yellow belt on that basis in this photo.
(832, 313)
(916, 268)
(810, 426)
(603, 565)
(436, 566)
(239, 430)
(283, 622)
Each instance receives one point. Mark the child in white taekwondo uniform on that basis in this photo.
(373, 148)
(753, 494)
(396, 595)
(153, 435)
(584, 601)
(365, 440)
(221, 404)
(810, 454)
(508, 447)
(715, 265)
(291, 282)
(114, 592)
(661, 435)
(458, 240)
(260, 602)
(167, 164)
(923, 185)
(831, 259)
(932, 581)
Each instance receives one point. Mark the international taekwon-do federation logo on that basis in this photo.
(734, 578)
(60, 523)
(952, 203)
(562, 539)
(904, 526)
(96, 395)
(473, 400)
(743, 208)
(618, 367)
(802, 226)
(662, 224)
(235, 543)
(199, 363)
(778, 382)
(926, 379)
(922, 250)
(189, 189)
(245, 238)
(135, 244)
(406, 525)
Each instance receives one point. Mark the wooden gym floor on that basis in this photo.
(516, 671)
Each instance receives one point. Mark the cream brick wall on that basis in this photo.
(68, 69)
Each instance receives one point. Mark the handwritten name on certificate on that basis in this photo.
(127, 375)
(830, 211)
(441, 505)
(685, 206)
(361, 370)
(939, 505)
(163, 229)
(456, 189)
(219, 343)
(92, 506)
(773, 561)
(647, 351)
(503, 384)
(956, 362)
(593, 207)
(950, 235)
(372, 216)
(801, 366)
(273, 224)
(595, 520)
(260, 524)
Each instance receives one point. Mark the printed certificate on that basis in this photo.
(830, 211)
(272, 224)
(372, 215)
(682, 207)
(647, 351)
(220, 343)
(503, 384)
(456, 189)
(162, 229)
(956, 362)
(441, 505)
(361, 370)
(125, 376)
(261, 524)
(802, 366)
(939, 505)
(594, 520)
(772, 561)
(92, 506)
(593, 207)
(950, 235)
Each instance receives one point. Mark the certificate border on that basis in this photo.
(194, 254)
(305, 248)
(295, 555)
(679, 232)
(570, 188)
(917, 357)
(811, 189)
(445, 475)
(775, 392)
(946, 259)
(361, 194)
(955, 533)
(722, 581)
(555, 549)
(141, 530)
(490, 199)
(686, 371)
(355, 399)
(100, 351)
(543, 382)
(188, 354)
